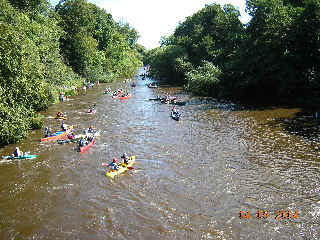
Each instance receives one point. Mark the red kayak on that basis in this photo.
(92, 111)
(125, 97)
(85, 148)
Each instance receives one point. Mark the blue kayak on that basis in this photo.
(21, 157)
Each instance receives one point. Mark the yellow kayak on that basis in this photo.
(122, 168)
(60, 118)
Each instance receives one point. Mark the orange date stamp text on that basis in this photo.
(264, 214)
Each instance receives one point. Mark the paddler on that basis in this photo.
(82, 142)
(71, 136)
(47, 132)
(174, 110)
(17, 152)
(64, 126)
(125, 158)
(91, 109)
(61, 96)
(90, 130)
(60, 115)
(113, 165)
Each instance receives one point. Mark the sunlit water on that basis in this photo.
(191, 178)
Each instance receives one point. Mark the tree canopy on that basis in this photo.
(44, 51)
(274, 57)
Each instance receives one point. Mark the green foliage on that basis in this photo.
(204, 80)
(274, 56)
(44, 52)
(94, 45)
(36, 121)
(213, 34)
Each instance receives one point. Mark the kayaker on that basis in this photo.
(61, 96)
(91, 109)
(17, 152)
(71, 136)
(47, 132)
(125, 158)
(113, 165)
(64, 126)
(90, 137)
(174, 110)
(82, 142)
(90, 130)
(60, 115)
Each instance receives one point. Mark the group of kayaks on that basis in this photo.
(120, 94)
(168, 100)
(175, 115)
(67, 136)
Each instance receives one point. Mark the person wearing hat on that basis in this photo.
(113, 165)
(125, 158)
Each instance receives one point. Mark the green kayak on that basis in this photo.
(21, 157)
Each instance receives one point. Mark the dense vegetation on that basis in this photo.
(44, 51)
(273, 58)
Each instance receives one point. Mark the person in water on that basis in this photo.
(125, 158)
(47, 132)
(17, 152)
(113, 165)
(64, 126)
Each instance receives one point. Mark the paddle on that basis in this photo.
(106, 165)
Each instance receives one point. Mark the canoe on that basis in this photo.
(175, 116)
(125, 97)
(85, 148)
(122, 168)
(57, 135)
(155, 99)
(179, 103)
(61, 118)
(21, 157)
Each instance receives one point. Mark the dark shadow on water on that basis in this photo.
(303, 124)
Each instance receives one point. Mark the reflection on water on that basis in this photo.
(191, 178)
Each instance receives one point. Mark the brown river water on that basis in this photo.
(191, 178)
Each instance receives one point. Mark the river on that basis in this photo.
(191, 178)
